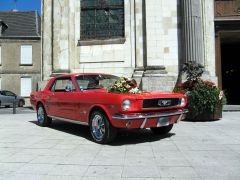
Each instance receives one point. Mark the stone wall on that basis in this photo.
(11, 70)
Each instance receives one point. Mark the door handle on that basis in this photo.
(50, 95)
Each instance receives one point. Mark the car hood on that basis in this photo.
(149, 95)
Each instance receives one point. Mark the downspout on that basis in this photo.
(52, 37)
(144, 33)
(135, 33)
(42, 33)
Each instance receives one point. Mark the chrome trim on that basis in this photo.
(69, 120)
(143, 124)
(129, 117)
(180, 117)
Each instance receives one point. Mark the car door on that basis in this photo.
(62, 101)
(3, 98)
(8, 98)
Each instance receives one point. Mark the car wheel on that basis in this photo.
(101, 130)
(42, 118)
(162, 130)
(20, 103)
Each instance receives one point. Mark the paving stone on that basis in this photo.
(192, 151)
(141, 172)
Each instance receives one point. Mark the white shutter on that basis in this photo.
(26, 54)
(0, 54)
(0, 83)
(26, 86)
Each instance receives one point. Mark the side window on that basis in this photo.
(82, 83)
(8, 93)
(26, 54)
(63, 85)
(26, 86)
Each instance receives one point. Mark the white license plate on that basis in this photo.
(163, 121)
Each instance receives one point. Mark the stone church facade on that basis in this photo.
(145, 39)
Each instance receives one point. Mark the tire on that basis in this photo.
(20, 103)
(162, 130)
(42, 118)
(101, 129)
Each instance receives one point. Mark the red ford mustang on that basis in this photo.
(83, 98)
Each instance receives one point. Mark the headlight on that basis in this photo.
(182, 103)
(126, 104)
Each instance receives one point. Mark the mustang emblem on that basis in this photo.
(164, 102)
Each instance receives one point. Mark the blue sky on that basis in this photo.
(22, 5)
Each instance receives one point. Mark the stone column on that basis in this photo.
(192, 31)
(47, 64)
(209, 36)
(139, 33)
(140, 44)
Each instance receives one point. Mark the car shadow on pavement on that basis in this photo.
(194, 120)
(138, 136)
(70, 128)
(125, 136)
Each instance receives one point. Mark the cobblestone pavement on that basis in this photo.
(193, 150)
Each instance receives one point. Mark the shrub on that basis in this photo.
(203, 96)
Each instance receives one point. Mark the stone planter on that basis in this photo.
(207, 116)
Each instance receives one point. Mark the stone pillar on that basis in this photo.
(139, 33)
(47, 39)
(61, 36)
(192, 31)
(209, 36)
(139, 41)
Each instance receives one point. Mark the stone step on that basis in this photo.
(231, 108)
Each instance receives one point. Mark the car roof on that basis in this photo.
(77, 74)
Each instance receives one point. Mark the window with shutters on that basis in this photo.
(26, 86)
(102, 19)
(26, 55)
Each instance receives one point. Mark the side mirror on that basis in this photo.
(81, 88)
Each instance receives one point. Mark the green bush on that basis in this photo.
(203, 96)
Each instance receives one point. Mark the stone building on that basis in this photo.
(145, 39)
(20, 51)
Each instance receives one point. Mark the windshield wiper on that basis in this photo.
(93, 88)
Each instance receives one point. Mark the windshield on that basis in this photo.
(97, 81)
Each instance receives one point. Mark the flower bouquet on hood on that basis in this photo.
(125, 85)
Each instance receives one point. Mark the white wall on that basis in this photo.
(162, 34)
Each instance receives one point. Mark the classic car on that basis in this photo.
(84, 98)
(7, 99)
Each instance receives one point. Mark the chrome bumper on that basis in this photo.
(130, 117)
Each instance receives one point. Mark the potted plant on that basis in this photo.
(205, 99)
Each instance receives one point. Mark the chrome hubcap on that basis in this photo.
(40, 115)
(98, 127)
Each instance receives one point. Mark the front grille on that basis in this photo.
(160, 102)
